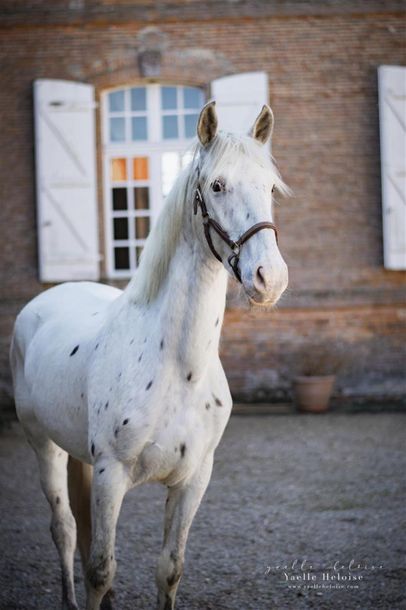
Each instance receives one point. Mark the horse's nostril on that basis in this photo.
(261, 276)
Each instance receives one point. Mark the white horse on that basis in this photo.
(130, 382)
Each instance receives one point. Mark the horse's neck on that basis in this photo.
(187, 313)
(192, 307)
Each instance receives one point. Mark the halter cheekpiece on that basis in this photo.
(235, 246)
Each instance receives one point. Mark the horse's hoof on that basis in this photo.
(107, 601)
(66, 605)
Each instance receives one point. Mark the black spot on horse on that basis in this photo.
(217, 322)
(140, 358)
(73, 352)
(145, 340)
(101, 470)
(132, 341)
(248, 215)
(106, 406)
(125, 422)
(92, 449)
(189, 376)
(182, 449)
(82, 395)
(207, 405)
(116, 432)
(149, 384)
(58, 500)
(217, 401)
(161, 345)
(96, 346)
(119, 375)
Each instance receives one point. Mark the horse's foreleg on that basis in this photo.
(181, 506)
(52, 465)
(109, 485)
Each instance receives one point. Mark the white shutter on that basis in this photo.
(240, 98)
(65, 153)
(392, 118)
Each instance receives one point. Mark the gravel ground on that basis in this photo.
(323, 489)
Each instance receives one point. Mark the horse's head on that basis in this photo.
(235, 186)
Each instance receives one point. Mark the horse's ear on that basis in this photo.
(263, 126)
(207, 123)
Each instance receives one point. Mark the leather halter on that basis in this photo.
(235, 246)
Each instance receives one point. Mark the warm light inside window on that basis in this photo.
(118, 170)
(140, 168)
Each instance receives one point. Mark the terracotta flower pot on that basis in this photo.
(312, 394)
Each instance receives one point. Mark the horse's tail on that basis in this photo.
(79, 485)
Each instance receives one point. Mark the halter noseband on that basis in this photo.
(235, 246)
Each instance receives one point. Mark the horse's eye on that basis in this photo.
(218, 186)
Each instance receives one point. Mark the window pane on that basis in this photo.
(168, 98)
(140, 168)
(141, 227)
(138, 251)
(192, 97)
(117, 130)
(116, 101)
(170, 170)
(190, 125)
(120, 228)
(138, 98)
(139, 128)
(118, 170)
(141, 198)
(120, 199)
(170, 127)
(121, 258)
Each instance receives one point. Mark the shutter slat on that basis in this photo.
(66, 180)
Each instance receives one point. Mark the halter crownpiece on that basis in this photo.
(235, 246)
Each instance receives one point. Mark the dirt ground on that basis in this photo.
(286, 489)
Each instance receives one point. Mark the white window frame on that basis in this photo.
(153, 148)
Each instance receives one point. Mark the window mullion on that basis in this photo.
(154, 113)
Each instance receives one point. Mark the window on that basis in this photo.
(146, 132)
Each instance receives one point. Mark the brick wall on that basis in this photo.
(321, 58)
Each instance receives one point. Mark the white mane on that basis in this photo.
(163, 239)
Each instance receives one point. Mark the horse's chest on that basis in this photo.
(169, 436)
